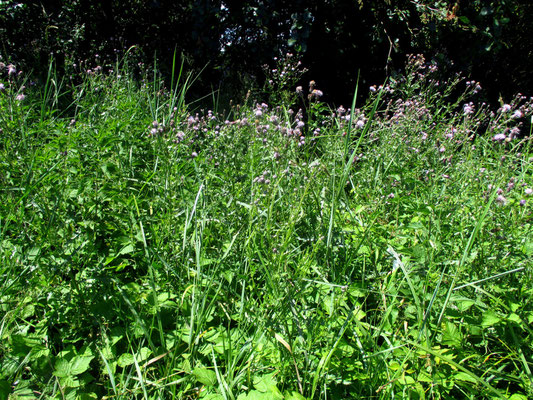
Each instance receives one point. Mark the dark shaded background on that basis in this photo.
(488, 41)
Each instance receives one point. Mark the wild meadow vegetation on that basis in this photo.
(278, 249)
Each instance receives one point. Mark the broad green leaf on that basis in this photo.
(294, 396)
(518, 396)
(489, 318)
(143, 354)
(205, 376)
(127, 249)
(461, 376)
(267, 384)
(69, 381)
(424, 377)
(78, 365)
(514, 318)
(125, 359)
(463, 303)
(452, 335)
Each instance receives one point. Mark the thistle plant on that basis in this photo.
(282, 249)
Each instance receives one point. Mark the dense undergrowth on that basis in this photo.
(272, 251)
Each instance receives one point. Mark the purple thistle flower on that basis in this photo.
(468, 109)
(501, 200)
(499, 137)
(514, 132)
(506, 108)
(20, 97)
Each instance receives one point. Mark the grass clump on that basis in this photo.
(281, 250)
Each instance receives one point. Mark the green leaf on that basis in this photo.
(267, 384)
(143, 354)
(489, 318)
(452, 336)
(205, 376)
(518, 396)
(294, 396)
(125, 359)
(78, 365)
(463, 303)
(461, 376)
(127, 249)
(257, 395)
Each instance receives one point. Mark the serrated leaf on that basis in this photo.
(69, 381)
(78, 365)
(143, 354)
(490, 318)
(125, 360)
(463, 304)
(424, 377)
(267, 385)
(452, 336)
(127, 249)
(463, 377)
(205, 376)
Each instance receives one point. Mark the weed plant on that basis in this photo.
(273, 251)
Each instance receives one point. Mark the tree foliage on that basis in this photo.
(335, 38)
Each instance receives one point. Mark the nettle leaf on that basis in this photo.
(127, 249)
(464, 377)
(490, 318)
(125, 359)
(205, 376)
(463, 303)
(78, 365)
(69, 381)
(267, 385)
(452, 335)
